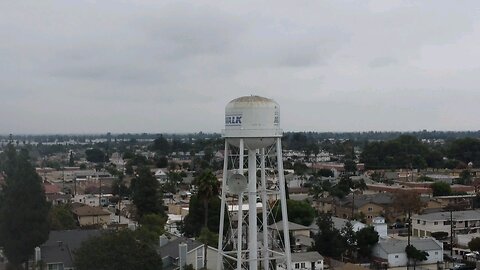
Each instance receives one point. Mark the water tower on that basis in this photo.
(253, 185)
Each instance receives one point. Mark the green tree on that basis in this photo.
(415, 254)
(96, 155)
(161, 145)
(466, 150)
(300, 212)
(465, 178)
(300, 168)
(207, 187)
(328, 242)
(71, 160)
(24, 210)
(122, 250)
(61, 218)
(161, 162)
(325, 173)
(350, 238)
(151, 227)
(405, 151)
(145, 194)
(441, 189)
(350, 166)
(474, 244)
(366, 238)
(119, 188)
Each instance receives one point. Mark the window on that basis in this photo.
(418, 221)
(55, 266)
(297, 266)
(424, 222)
(370, 209)
(396, 256)
(436, 252)
(302, 265)
(435, 223)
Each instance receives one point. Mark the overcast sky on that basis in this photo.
(172, 66)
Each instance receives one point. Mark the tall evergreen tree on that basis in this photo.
(146, 194)
(24, 210)
(207, 187)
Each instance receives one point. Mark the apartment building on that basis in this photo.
(464, 222)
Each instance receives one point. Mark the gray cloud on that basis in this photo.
(171, 66)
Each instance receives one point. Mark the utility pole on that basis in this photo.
(451, 232)
(409, 224)
(353, 203)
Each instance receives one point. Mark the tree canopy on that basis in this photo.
(146, 194)
(415, 254)
(329, 242)
(441, 189)
(24, 210)
(466, 150)
(366, 238)
(61, 218)
(122, 250)
(300, 212)
(474, 244)
(194, 221)
(96, 155)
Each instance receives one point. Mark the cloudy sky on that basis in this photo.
(172, 66)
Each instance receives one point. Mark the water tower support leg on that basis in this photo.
(252, 209)
(222, 207)
(240, 210)
(264, 209)
(283, 203)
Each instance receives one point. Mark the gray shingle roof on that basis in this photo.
(339, 223)
(61, 245)
(291, 226)
(171, 249)
(361, 200)
(393, 246)
(457, 215)
(304, 240)
(311, 256)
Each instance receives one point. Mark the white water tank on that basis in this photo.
(255, 119)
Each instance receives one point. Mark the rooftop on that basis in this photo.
(291, 226)
(393, 246)
(171, 248)
(311, 256)
(87, 210)
(457, 215)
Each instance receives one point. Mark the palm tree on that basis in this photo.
(207, 188)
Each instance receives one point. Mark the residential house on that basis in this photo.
(464, 222)
(369, 206)
(294, 228)
(161, 176)
(304, 261)
(323, 204)
(392, 251)
(300, 235)
(177, 252)
(58, 251)
(87, 215)
(378, 224)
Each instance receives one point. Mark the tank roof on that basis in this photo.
(252, 99)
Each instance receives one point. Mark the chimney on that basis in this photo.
(162, 240)
(38, 254)
(182, 251)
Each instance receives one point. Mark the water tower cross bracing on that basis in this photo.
(253, 188)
